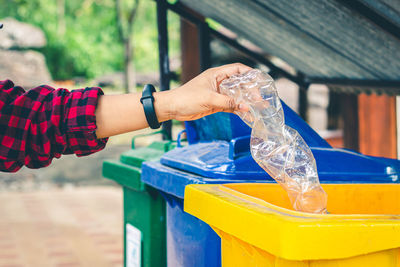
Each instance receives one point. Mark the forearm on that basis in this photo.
(116, 114)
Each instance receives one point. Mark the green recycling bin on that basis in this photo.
(144, 207)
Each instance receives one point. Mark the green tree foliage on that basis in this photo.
(89, 46)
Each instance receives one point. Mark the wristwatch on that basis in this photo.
(147, 101)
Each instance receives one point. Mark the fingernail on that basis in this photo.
(242, 107)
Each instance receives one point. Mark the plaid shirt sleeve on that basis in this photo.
(44, 123)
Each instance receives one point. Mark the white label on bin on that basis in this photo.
(133, 246)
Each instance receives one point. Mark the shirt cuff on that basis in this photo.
(81, 122)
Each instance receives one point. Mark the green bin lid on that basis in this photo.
(125, 175)
(127, 171)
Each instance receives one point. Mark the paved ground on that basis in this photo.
(65, 215)
(61, 228)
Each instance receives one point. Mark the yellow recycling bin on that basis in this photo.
(258, 226)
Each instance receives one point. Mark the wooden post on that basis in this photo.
(349, 108)
(334, 118)
(190, 52)
(398, 125)
(303, 103)
(377, 125)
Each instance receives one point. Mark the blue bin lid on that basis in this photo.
(232, 160)
(173, 181)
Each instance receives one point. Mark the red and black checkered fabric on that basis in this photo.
(44, 123)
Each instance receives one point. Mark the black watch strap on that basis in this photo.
(147, 101)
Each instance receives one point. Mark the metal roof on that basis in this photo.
(324, 40)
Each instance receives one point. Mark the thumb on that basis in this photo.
(224, 103)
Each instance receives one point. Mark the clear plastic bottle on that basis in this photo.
(276, 147)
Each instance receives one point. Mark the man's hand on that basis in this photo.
(200, 96)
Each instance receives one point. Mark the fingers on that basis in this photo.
(226, 104)
(223, 103)
(235, 68)
(243, 108)
(223, 72)
(226, 71)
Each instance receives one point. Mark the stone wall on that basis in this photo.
(18, 62)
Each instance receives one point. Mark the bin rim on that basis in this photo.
(289, 234)
(124, 174)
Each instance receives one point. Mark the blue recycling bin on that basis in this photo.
(218, 126)
(191, 242)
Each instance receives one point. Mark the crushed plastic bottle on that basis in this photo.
(276, 147)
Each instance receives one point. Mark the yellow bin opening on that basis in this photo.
(258, 226)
